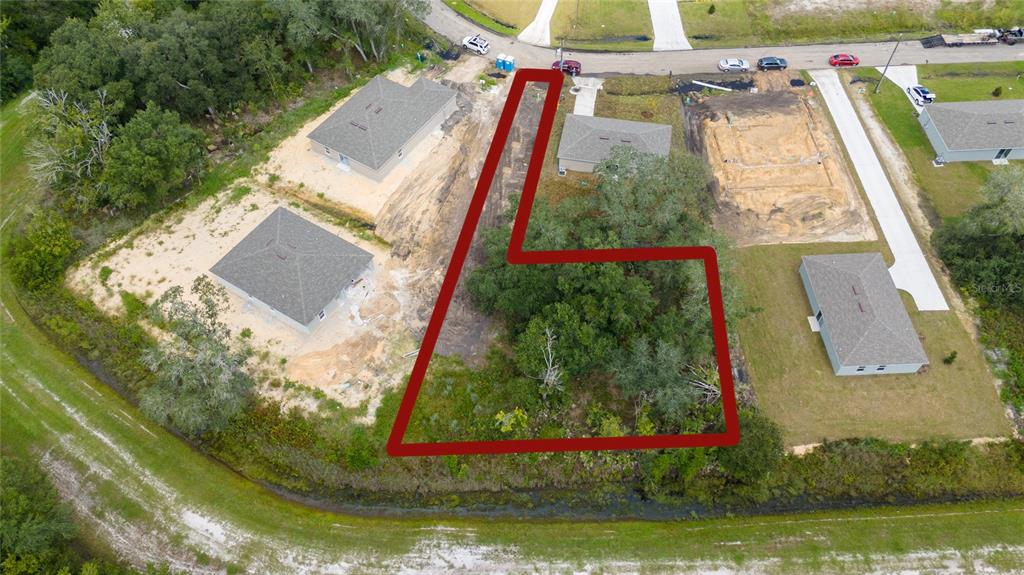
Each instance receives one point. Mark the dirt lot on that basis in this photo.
(369, 343)
(781, 176)
(295, 164)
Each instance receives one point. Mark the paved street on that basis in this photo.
(444, 20)
(910, 272)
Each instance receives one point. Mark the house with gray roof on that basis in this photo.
(973, 131)
(859, 313)
(587, 140)
(293, 268)
(372, 131)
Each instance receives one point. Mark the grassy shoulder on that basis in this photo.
(605, 25)
(510, 15)
(955, 187)
(795, 385)
(474, 11)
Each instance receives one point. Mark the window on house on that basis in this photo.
(400, 152)
(880, 368)
(861, 368)
(322, 315)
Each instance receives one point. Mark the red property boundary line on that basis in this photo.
(516, 255)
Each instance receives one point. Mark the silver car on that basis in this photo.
(734, 65)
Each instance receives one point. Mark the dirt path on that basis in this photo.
(912, 199)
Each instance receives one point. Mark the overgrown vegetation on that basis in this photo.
(984, 250)
(37, 531)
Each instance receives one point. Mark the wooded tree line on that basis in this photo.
(984, 250)
(123, 90)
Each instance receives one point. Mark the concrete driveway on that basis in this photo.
(448, 23)
(910, 272)
(904, 77)
(586, 95)
(668, 26)
(537, 32)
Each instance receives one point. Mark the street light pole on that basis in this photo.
(882, 79)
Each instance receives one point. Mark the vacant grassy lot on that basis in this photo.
(614, 25)
(793, 379)
(767, 22)
(513, 14)
(955, 187)
(729, 25)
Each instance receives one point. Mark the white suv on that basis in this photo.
(476, 44)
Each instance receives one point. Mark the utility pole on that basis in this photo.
(882, 79)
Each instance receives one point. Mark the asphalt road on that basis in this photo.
(448, 23)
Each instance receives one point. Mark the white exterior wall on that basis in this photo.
(576, 166)
(258, 303)
(944, 154)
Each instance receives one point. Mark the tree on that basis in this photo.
(33, 522)
(25, 29)
(536, 358)
(758, 453)
(44, 251)
(201, 382)
(152, 155)
(70, 151)
(653, 372)
(84, 61)
(984, 248)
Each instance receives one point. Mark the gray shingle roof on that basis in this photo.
(979, 125)
(380, 118)
(292, 265)
(591, 139)
(862, 310)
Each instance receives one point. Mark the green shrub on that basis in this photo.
(105, 273)
(997, 92)
(43, 253)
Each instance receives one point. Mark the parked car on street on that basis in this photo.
(734, 65)
(844, 60)
(772, 63)
(571, 67)
(476, 44)
(920, 95)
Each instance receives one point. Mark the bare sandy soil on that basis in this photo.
(295, 164)
(781, 176)
(369, 342)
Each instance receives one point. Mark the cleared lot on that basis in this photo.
(363, 347)
(780, 173)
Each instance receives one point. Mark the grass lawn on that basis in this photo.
(516, 14)
(793, 379)
(758, 22)
(728, 26)
(955, 187)
(49, 404)
(471, 12)
(613, 25)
